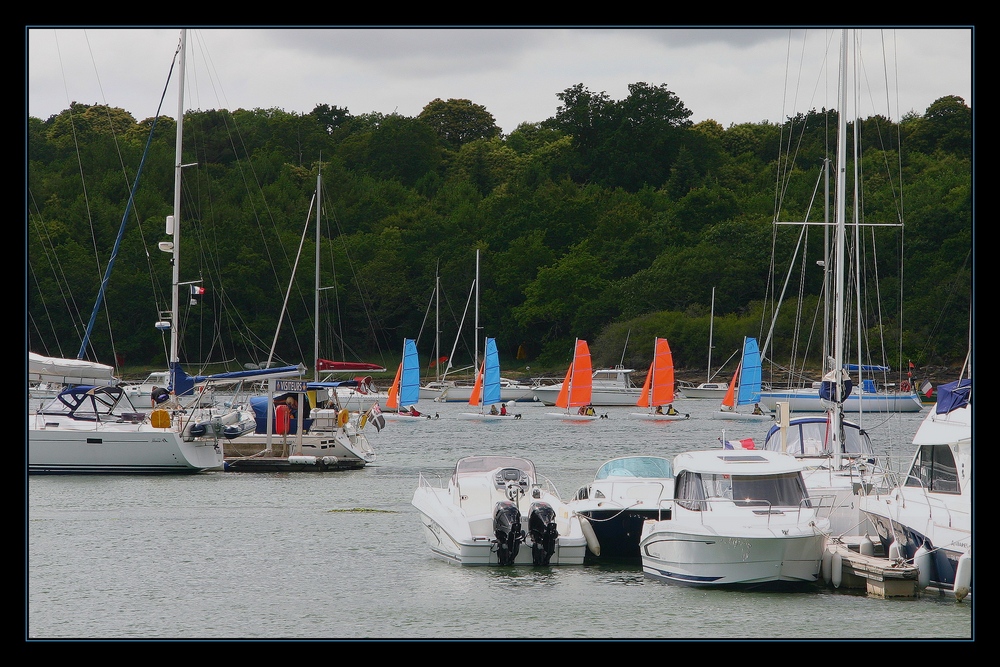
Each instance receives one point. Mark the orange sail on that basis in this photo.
(578, 386)
(477, 388)
(392, 401)
(658, 389)
(730, 399)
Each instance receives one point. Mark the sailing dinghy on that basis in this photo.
(658, 389)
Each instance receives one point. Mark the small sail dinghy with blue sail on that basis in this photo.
(742, 400)
(486, 390)
(401, 403)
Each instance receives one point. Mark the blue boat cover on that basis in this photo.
(953, 395)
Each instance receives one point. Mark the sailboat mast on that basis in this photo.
(319, 205)
(476, 358)
(839, 335)
(711, 323)
(178, 166)
(437, 322)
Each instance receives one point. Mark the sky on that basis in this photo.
(730, 75)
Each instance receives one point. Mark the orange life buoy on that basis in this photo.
(342, 417)
(904, 386)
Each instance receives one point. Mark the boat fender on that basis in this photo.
(866, 547)
(160, 418)
(837, 569)
(588, 532)
(923, 560)
(330, 460)
(307, 460)
(282, 419)
(895, 551)
(827, 565)
(963, 576)
(342, 417)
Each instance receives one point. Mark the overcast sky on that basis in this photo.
(730, 75)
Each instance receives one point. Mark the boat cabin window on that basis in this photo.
(934, 468)
(814, 438)
(691, 489)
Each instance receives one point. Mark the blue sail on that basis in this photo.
(491, 375)
(409, 380)
(750, 371)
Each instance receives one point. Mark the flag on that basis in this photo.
(746, 443)
(927, 389)
(196, 293)
(375, 417)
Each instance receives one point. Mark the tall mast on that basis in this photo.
(839, 335)
(475, 364)
(176, 223)
(319, 199)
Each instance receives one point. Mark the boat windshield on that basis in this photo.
(812, 436)
(652, 467)
(692, 489)
(480, 464)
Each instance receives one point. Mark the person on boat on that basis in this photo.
(493, 410)
(414, 412)
(659, 409)
(159, 395)
(671, 410)
(757, 410)
(582, 410)
(591, 411)
(503, 409)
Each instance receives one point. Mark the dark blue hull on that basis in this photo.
(618, 532)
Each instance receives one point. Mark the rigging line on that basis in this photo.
(59, 277)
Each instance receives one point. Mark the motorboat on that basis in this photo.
(496, 510)
(739, 519)
(716, 390)
(331, 438)
(609, 387)
(926, 515)
(96, 429)
(625, 492)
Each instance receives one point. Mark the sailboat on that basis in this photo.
(658, 389)
(744, 390)
(486, 390)
(405, 390)
(576, 388)
(92, 426)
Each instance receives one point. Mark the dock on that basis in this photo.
(876, 574)
(248, 457)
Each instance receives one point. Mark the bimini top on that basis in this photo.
(733, 462)
(813, 436)
(473, 465)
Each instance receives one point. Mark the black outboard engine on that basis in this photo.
(543, 532)
(507, 528)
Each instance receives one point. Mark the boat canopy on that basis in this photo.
(812, 436)
(953, 395)
(68, 371)
(868, 369)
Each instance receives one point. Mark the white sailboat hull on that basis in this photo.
(808, 400)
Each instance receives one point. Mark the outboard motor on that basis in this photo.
(543, 532)
(507, 528)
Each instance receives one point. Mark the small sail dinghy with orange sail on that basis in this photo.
(405, 390)
(486, 390)
(658, 389)
(742, 401)
(575, 391)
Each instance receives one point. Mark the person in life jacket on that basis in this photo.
(671, 410)
(503, 409)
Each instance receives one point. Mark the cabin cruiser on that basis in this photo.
(739, 519)
(625, 492)
(496, 510)
(926, 515)
(610, 386)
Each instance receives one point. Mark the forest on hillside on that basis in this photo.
(614, 221)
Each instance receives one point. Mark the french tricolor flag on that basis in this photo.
(746, 443)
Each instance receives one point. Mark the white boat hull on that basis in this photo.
(781, 554)
(808, 400)
(571, 417)
(83, 447)
(599, 397)
(347, 445)
(653, 417)
(741, 416)
(702, 392)
(478, 416)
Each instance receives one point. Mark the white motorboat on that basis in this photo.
(94, 429)
(496, 510)
(739, 519)
(926, 515)
(609, 387)
(625, 492)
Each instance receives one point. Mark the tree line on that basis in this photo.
(614, 221)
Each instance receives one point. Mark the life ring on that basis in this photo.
(904, 386)
(342, 417)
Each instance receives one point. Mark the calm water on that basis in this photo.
(341, 555)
